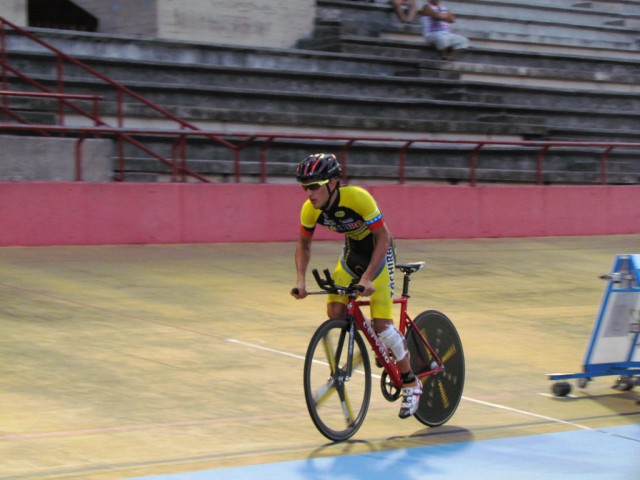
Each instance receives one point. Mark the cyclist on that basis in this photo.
(368, 256)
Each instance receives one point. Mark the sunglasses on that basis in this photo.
(314, 186)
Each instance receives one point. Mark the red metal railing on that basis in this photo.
(178, 162)
(121, 91)
(61, 98)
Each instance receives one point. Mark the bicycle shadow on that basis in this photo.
(397, 456)
(445, 434)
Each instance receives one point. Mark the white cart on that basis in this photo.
(614, 347)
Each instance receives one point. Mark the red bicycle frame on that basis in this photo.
(381, 351)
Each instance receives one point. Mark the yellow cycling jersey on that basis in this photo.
(354, 213)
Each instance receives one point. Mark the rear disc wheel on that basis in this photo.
(442, 391)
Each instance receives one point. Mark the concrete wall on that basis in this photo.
(276, 23)
(52, 159)
(107, 213)
(126, 17)
(15, 11)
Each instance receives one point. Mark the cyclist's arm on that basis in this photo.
(302, 258)
(446, 16)
(382, 236)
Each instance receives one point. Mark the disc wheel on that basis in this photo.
(337, 403)
(442, 391)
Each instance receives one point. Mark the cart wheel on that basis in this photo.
(561, 389)
(582, 382)
(624, 383)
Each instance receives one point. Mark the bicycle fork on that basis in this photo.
(350, 348)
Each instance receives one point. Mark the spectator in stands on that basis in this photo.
(436, 20)
(406, 10)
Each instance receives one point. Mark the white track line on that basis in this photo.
(524, 412)
(266, 349)
(473, 400)
(272, 350)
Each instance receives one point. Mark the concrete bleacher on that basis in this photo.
(497, 34)
(312, 100)
(594, 24)
(361, 72)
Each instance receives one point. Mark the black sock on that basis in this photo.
(408, 377)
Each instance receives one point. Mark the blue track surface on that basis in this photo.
(611, 453)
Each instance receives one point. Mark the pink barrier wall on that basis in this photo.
(110, 213)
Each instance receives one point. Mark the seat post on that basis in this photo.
(405, 284)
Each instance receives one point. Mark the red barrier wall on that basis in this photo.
(110, 213)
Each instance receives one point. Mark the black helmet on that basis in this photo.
(318, 167)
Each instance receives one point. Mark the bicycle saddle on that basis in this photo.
(409, 268)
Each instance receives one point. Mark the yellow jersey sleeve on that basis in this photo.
(308, 218)
(362, 202)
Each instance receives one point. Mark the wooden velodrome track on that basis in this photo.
(129, 361)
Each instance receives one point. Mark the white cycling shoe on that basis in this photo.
(410, 400)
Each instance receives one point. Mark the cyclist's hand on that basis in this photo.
(299, 292)
(368, 287)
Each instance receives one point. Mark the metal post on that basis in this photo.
(121, 163)
(179, 159)
(403, 161)
(603, 165)
(236, 156)
(60, 82)
(540, 164)
(343, 159)
(120, 108)
(263, 160)
(79, 142)
(473, 167)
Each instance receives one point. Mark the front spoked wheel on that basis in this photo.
(337, 402)
(442, 391)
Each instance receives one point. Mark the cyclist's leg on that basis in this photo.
(381, 308)
(337, 304)
(382, 314)
(382, 311)
(336, 310)
(382, 319)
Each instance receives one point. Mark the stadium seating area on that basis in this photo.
(536, 70)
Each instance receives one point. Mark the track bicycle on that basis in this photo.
(337, 370)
